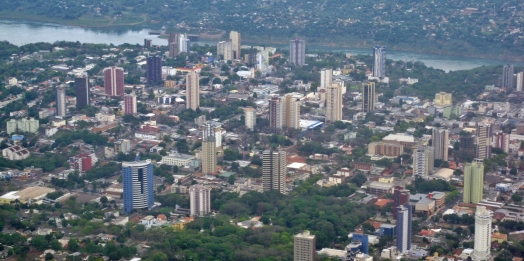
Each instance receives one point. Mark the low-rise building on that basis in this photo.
(27, 195)
(178, 159)
(15, 153)
(376, 187)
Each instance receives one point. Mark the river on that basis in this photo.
(24, 32)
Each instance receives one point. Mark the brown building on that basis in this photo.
(386, 149)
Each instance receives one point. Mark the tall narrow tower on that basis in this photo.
(326, 78)
(520, 81)
(297, 51)
(60, 102)
(130, 106)
(137, 177)
(235, 39)
(250, 118)
(440, 141)
(482, 248)
(274, 171)
(368, 97)
(154, 69)
(473, 182)
(379, 61)
(114, 81)
(209, 156)
(173, 45)
(292, 111)
(199, 200)
(304, 247)
(507, 76)
(192, 90)
(334, 103)
(484, 133)
(276, 114)
(423, 161)
(82, 91)
(404, 217)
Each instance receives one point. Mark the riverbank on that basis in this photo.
(85, 22)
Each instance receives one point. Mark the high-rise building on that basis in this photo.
(423, 161)
(274, 172)
(507, 76)
(154, 69)
(209, 156)
(114, 81)
(440, 141)
(213, 130)
(304, 247)
(22, 125)
(297, 52)
(235, 39)
(501, 140)
(467, 147)
(184, 44)
(443, 99)
(137, 177)
(250, 59)
(520, 81)
(368, 97)
(473, 182)
(200, 200)
(484, 133)
(379, 61)
(225, 49)
(482, 245)
(82, 91)
(334, 103)
(148, 43)
(361, 240)
(404, 217)
(400, 197)
(326, 78)
(192, 90)
(60, 102)
(276, 113)
(130, 106)
(172, 43)
(250, 118)
(292, 111)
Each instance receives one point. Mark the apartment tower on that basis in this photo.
(484, 133)
(473, 182)
(334, 103)
(292, 111)
(520, 81)
(304, 247)
(130, 106)
(274, 172)
(209, 156)
(404, 217)
(368, 97)
(154, 69)
(326, 78)
(192, 90)
(235, 39)
(507, 76)
(82, 91)
(423, 161)
(250, 118)
(440, 141)
(114, 81)
(482, 245)
(200, 200)
(60, 102)
(297, 52)
(137, 178)
(400, 197)
(379, 61)
(172, 43)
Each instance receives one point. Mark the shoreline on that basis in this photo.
(363, 46)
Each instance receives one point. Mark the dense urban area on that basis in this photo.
(237, 152)
(492, 28)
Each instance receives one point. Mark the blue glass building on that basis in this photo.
(364, 241)
(138, 182)
(404, 217)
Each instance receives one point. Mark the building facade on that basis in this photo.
(482, 247)
(400, 197)
(379, 61)
(440, 141)
(236, 42)
(154, 69)
(60, 102)
(172, 43)
(22, 125)
(484, 133)
(82, 91)
(507, 76)
(209, 156)
(297, 52)
(276, 113)
(250, 118)
(114, 81)
(473, 182)
(443, 99)
(423, 161)
(368, 97)
(200, 200)
(292, 111)
(326, 78)
(304, 247)
(138, 185)
(130, 106)
(192, 90)
(334, 103)
(501, 140)
(386, 149)
(404, 218)
(274, 171)
(520, 81)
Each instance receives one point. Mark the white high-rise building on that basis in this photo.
(250, 118)
(200, 200)
(292, 111)
(520, 81)
(297, 52)
(333, 103)
(379, 61)
(423, 161)
(482, 249)
(326, 78)
(284, 112)
(225, 49)
(192, 90)
(60, 102)
(183, 43)
(274, 165)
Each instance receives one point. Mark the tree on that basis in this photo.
(517, 198)
(103, 200)
(39, 242)
(55, 245)
(513, 171)
(159, 256)
(49, 256)
(231, 179)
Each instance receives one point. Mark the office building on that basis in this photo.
(423, 161)
(501, 140)
(440, 141)
(192, 90)
(334, 103)
(60, 102)
(304, 247)
(379, 61)
(250, 59)
(484, 133)
(473, 182)
(235, 39)
(137, 178)
(114, 81)
(400, 197)
(225, 50)
(404, 217)
(467, 147)
(200, 200)
(274, 171)
(326, 78)
(209, 156)
(297, 52)
(507, 76)
(148, 43)
(362, 241)
(184, 44)
(250, 118)
(443, 99)
(130, 106)
(482, 243)
(520, 81)
(154, 69)
(172, 43)
(368, 97)
(292, 111)
(82, 91)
